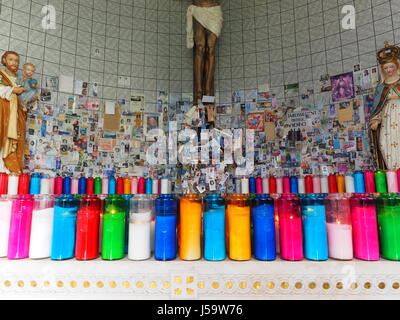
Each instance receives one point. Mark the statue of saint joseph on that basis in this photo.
(204, 25)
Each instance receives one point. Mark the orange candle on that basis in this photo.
(127, 186)
(190, 227)
(239, 238)
(341, 184)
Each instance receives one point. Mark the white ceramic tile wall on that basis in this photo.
(99, 40)
(274, 42)
(278, 42)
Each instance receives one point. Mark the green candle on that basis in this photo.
(113, 237)
(389, 225)
(380, 181)
(98, 186)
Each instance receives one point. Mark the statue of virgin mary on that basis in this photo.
(385, 120)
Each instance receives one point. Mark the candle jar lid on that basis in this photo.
(67, 201)
(366, 196)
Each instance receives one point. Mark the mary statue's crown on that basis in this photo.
(388, 53)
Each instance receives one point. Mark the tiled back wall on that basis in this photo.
(142, 39)
(278, 42)
(274, 42)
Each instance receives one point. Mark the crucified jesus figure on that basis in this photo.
(204, 20)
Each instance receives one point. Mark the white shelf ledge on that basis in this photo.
(124, 279)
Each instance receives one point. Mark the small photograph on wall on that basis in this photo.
(45, 95)
(343, 87)
(255, 121)
(325, 82)
(151, 121)
(51, 83)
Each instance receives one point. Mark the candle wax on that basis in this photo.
(41, 233)
(340, 241)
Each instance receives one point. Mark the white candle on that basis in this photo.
(155, 186)
(279, 185)
(324, 184)
(238, 184)
(266, 185)
(41, 233)
(245, 186)
(13, 185)
(340, 241)
(5, 217)
(140, 236)
(45, 186)
(349, 182)
(301, 185)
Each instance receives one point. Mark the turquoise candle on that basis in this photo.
(214, 228)
(64, 227)
(314, 227)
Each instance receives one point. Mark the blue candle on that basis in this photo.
(82, 185)
(64, 225)
(314, 227)
(112, 185)
(35, 184)
(214, 228)
(359, 183)
(263, 215)
(149, 186)
(127, 198)
(294, 185)
(67, 184)
(252, 184)
(165, 245)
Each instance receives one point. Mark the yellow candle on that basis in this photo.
(190, 227)
(341, 184)
(239, 237)
(127, 186)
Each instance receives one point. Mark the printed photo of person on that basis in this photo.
(343, 87)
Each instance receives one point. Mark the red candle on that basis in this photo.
(332, 182)
(87, 228)
(120, 185)
(58, 186)
(23, 184)
(286, 184)
(272, 185)
(309, 184)
(3, 183)
(142, 186)
(90, 185)
(369, 179)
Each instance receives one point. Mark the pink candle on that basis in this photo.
(58, 186)
(279, 185)
(290, 228)
(259, 185)
(75, 186)
(286, 184)
(340, 241)
(317, 184)
(52, 182)
(365, 227)
(134, 186)
(20, 227)
(104, 186)
(369, 179)
(398, 177)
(391, 177)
